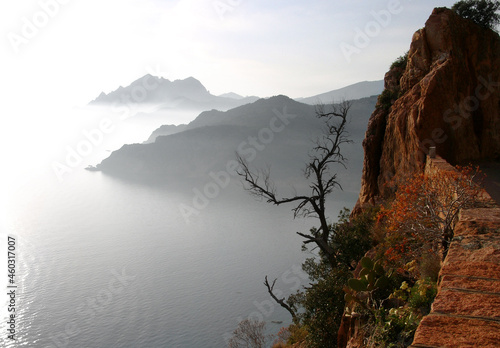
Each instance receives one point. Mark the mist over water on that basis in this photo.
(103, 262)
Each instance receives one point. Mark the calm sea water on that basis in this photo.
(107, 263)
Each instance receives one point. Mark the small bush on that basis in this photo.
(387, 98)
(400, 62)
(249, 334)
(422, 295)
(351, 238)
(395, 328)
(482, 12)
(291, 335)
(394, 308)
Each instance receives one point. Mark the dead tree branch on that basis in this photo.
(281, 302)
(326, 153)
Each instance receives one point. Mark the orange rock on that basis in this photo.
(449, 97)
(452, 332)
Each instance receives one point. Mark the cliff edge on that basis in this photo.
(444, 94)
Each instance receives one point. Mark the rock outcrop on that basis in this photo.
(448, 96)
(444, 94)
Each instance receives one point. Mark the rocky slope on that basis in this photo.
(446, 96)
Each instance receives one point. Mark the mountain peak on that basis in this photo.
(157, 90)
(280, 98)
(231, 95)
(190, 79)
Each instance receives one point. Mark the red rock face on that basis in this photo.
(449, 97)
(466, 311)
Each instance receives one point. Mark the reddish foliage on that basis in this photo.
(421, 217)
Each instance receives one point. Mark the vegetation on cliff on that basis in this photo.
(375, 275)
(446, 97)
(482, 12)
(392, 91)
(388, 278)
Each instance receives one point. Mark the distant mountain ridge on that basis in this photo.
(191, 94)
(165, 94)
(358, 90)
(148, 89)
(231, 95)
(276, 131)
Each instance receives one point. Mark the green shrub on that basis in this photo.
(323, 304)
(351, 238)
(422, 295)
(400, 62)
(482, 12)
(395, 328)
(387, 98)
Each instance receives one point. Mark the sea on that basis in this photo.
(90, 260)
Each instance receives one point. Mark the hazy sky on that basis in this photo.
(70, 50)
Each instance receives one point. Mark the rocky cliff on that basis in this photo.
(445, 94)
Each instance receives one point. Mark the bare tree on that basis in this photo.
(325, 154)
(250, 333)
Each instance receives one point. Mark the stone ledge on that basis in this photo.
(451, 332)
(470, 283)
(475, 249)
(437, 165)
(475, 263)
(474, 216)
(466, 311)
(471, 304)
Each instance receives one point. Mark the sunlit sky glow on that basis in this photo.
(57, 55)
(253, 47)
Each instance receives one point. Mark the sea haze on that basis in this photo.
(106, 261)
